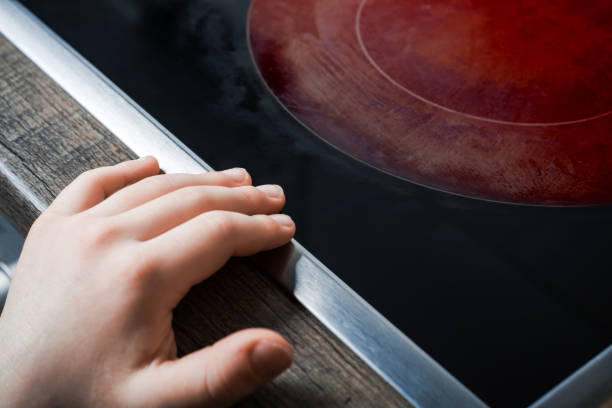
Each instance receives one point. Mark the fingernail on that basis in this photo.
(272, 190)
(238, 173)
(269, 358)
(145, 158)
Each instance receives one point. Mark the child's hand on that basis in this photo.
(88, 317)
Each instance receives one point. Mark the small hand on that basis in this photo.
(88, 316)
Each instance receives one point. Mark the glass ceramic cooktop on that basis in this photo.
(510, 299)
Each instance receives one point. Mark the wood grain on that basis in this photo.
(47, 139)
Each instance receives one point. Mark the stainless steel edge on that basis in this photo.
(10, 248)
(98, 95)
(5, 283)
(388, 351)
(11, 243)
(590, 386)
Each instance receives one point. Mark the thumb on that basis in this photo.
(218, 375)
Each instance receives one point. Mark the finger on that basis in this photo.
(216, 376)
(196, 249)
(93, 186)
(164, 213)
(154, 187)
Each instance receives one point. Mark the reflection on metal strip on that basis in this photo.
(22, 188)
(590, 386)
(388, 351)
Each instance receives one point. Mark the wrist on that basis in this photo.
(18, 376)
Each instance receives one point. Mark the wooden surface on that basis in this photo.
(47, 139)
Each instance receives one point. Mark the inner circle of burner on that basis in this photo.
(528, 63)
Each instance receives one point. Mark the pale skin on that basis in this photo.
(88, 317)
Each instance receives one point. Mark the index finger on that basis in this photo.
(94, 186)
(154, 187)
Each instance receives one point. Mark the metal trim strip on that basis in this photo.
(406, 367)
(590, 386)
(387, 350)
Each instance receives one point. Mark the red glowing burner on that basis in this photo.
(507, 101)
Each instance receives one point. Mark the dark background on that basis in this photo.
(509, 299)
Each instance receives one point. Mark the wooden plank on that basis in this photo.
(47, 139)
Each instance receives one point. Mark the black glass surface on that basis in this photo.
(510, 299)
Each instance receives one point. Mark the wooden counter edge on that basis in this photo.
(47, 139)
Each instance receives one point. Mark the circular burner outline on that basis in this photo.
(398, 175)
(444, 108)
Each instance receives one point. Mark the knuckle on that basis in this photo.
(212, 388)
(252, 195)
(265, 225)
(88, 174)
(83, 178)
(138, 270)
(93, 176)
(218, 386)
(194, 195)
(157, 182)
(235, 176)
(268, 225)
(220, 223)
(101, 232)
